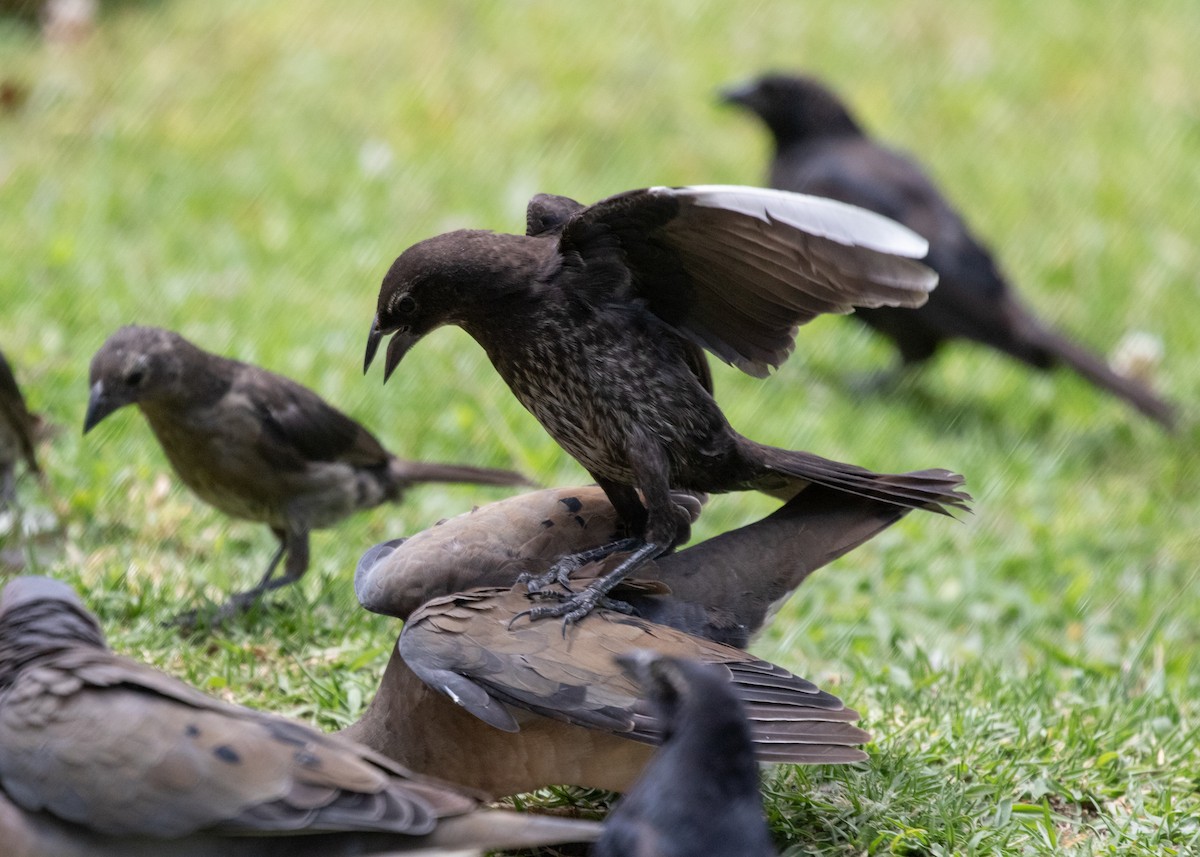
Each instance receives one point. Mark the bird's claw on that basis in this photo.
(570, 607)
(210, 618)
(559, 573)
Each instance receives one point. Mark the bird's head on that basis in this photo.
(447, 279)
(133, 365)
(40, 615)
(794, 107)
(671, 685)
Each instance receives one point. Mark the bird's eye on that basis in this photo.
(406, 305)
(134, 378)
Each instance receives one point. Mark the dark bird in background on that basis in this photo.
(20, 431)
(255, 444)
(101, 755)
(579, 717)
(597, 324)
(699, 797)
(821, 149)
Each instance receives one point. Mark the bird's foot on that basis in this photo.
(208, 618)
(560, 573)
(571, 606)
(567, 565)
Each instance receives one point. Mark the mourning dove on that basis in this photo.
(579, 717)
(104, 755)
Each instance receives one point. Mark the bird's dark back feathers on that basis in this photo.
(299, 426)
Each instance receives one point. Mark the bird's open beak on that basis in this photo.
(401, 342)
(99, 407)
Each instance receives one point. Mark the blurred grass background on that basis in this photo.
(244, 172)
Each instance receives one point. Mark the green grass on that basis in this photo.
(1029, 673)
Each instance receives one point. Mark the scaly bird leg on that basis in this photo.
(572, 608)
(662, 523)
(292, 543)
(567, 565)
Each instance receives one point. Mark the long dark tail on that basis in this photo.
(784, 473)
(1051, 347)
(411, 472)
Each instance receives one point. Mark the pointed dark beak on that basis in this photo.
(99, 407)
(373, 340)
(401, 342)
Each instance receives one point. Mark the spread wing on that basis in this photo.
(463, 645)
(861, 172)
(737, 269)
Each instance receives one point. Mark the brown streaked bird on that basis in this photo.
(256, 445)
(821, 148)
(722, 589)
(597, 325)
(103, 753)
(20, 431)
(700, 794)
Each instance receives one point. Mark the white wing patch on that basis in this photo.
(828, 218)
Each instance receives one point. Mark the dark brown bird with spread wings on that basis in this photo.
(597, 324)
(255, 444)
(821, 149)
(106, 756)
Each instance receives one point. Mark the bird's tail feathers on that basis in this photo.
(510, 830)
(1095, 369)
(411, 472)
(786, 473)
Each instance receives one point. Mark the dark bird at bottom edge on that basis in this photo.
(820, 148)
(597, 325)
(699, 796)
(20, 431)
(256, 445)
(104, 756)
